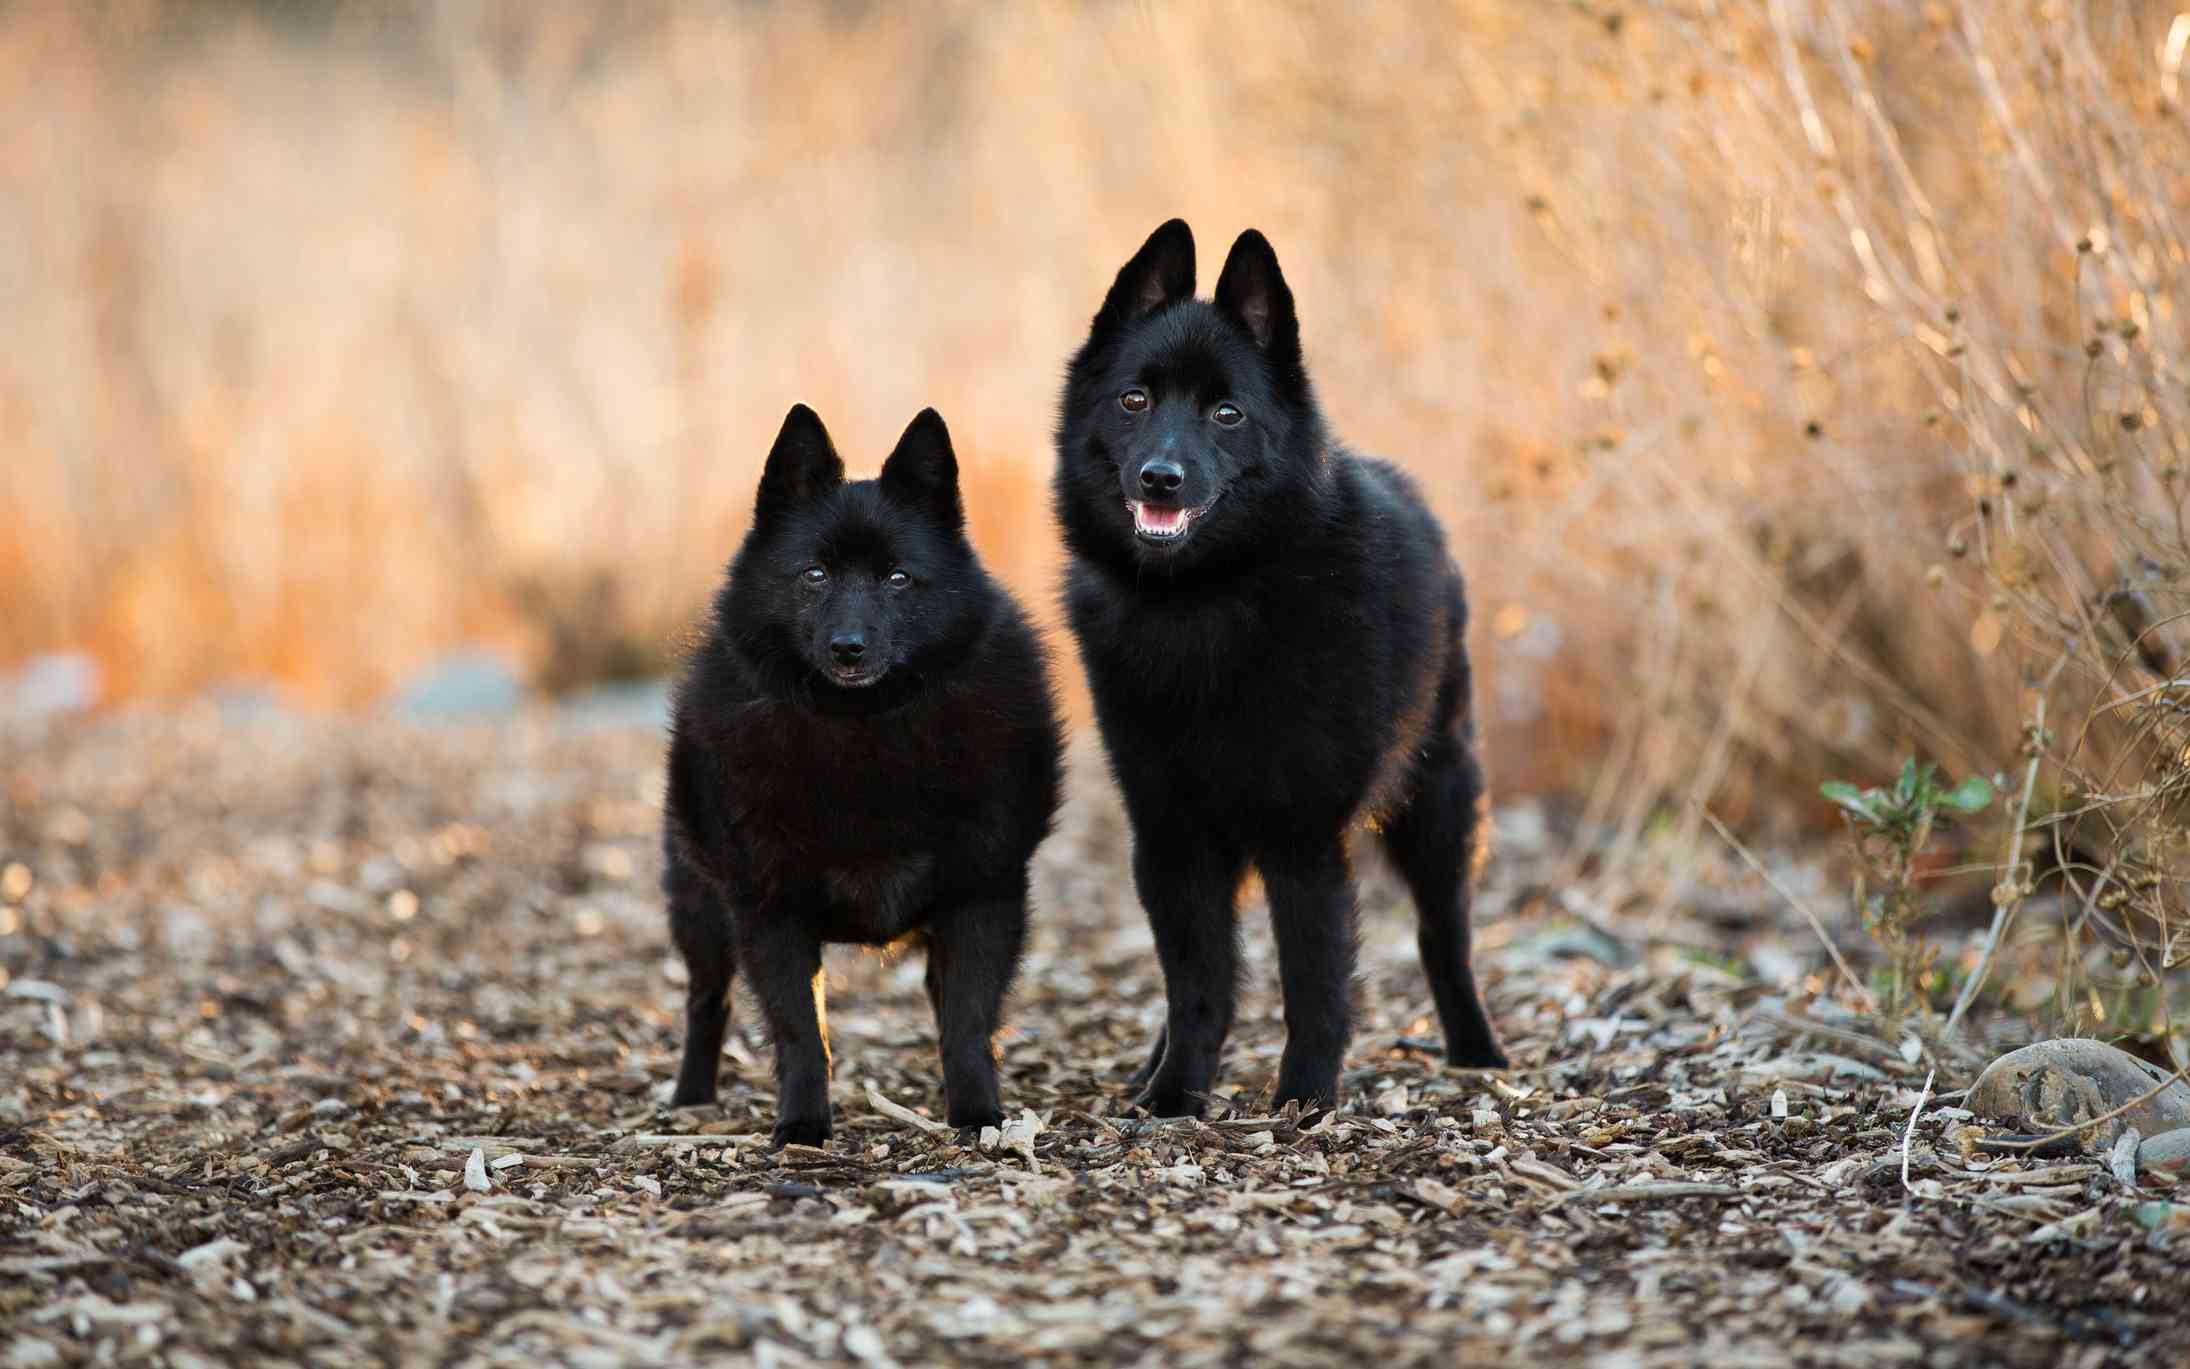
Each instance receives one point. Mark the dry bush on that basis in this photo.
(1998, 190)
(345, 336)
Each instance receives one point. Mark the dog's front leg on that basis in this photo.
(782, 958)
(1312, 911)
(1189, 892)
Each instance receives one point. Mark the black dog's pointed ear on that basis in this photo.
(923, 470)
(1252, 293)
(803, 465)
(1161, 272)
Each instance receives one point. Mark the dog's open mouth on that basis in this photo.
(856, 677)
(1159, 523)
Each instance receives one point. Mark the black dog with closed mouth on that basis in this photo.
(864, 748)
(1273, 633)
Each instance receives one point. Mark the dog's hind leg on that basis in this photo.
(700, 925)
(1437, 843)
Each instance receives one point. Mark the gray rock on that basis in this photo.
(2167, 1154)
(465, 683)
(1573, 941)
(47, 687)
(1522, 826)
(246, 701)
(2070, 1082)
(620, 703)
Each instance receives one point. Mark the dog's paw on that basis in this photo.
(801, 1131)
(1477, 1055)
(1161, 1102)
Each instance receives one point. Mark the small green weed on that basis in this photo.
(1892, 826)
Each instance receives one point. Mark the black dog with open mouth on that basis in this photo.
(1273, 634)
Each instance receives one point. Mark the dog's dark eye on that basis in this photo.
(1133, 401)
(815, 575)
(897, 579)
(1227, 415)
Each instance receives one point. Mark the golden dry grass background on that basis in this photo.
(335, 336)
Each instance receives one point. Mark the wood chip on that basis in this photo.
(1647, 1193)
(494, 1179)
(899, 1112)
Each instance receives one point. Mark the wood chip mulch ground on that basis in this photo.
(330, 1043)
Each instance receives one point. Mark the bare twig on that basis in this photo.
(1908, 1132)
(902, 1113)
(1846, 974)
(2009, 895)
(1645, 1193)
(1878, 1050)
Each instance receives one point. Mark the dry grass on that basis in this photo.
(2028, 270)
(334, 340)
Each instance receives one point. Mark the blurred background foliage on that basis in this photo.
(1802, 381)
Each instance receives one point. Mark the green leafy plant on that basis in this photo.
(1892, 826)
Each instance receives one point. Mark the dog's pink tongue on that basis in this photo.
(1153, 519)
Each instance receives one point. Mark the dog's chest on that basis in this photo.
(1173, 652)
(878, 899)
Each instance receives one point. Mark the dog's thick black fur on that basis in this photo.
(1273, 632)
(864, 749)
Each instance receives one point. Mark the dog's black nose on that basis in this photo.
(847, 649)
(1162, 476)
